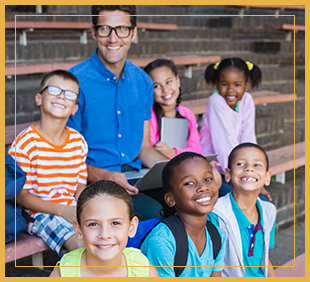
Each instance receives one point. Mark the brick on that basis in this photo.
(266, 47)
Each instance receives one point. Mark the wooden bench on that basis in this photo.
(286, 158)
(32, 68)
(277, 8)
(84, 27)
(288, 28)
(292, 268)
(26, 245)
(198, 106)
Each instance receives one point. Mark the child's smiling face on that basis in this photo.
(166, 86)
(105, 227)
(248, 170)
(231, 85)
(194, 190)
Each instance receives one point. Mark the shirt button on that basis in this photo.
(118, 112)
(251, 235)
(252, 245)
(123, 155)
(119, 135)
(114, 77)
(108, 79)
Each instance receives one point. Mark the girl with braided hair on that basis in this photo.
(230, 115)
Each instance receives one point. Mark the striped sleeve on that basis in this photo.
(53, 172)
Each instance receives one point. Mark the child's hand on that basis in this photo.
(215, 163)
(67, 212)
(163, 148)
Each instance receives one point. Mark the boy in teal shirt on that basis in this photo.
(248, 223)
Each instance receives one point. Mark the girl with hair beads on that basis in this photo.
(230, 115)
(167, 99)
(104, 222)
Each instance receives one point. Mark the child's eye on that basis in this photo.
(156, 86)
(240, 164)
(207, 179)
(189, 183)
(116, 223)
(169, 81)
(259, 165)
(92, 224)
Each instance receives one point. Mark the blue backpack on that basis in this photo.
(178, 230)
(21, 224)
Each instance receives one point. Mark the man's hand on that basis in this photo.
(264, 192)
(67, 212)
(96, 173)
(163, 148)
(120, 178)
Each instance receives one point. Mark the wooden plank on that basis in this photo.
(47, 25)
(281, 7)
(293, 268)
(26, 245)
(198, 106)
(293, 27)
(282, 159)
(31, 68)
(79, 25)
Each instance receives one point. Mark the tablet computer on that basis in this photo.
(147, 179)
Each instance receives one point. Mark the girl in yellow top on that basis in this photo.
(105, 220)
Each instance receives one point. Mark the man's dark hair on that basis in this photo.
(246, 145)
(130, 9)
(170, 167)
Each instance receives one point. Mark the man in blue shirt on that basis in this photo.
(115, 104)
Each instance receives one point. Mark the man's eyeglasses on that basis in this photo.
(54, 90)
(121, 31)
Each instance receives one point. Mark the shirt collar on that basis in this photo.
(100, 66)
(243, 222)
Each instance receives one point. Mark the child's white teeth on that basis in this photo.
(105, 247)
(203, 199)
(249, 179)
(168, 96)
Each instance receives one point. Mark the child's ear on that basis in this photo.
(178, 80)
(227, 175)
(133, 227)
(77, 230)
(75, 108)
(38, 99)
(247, 86)
(268, 178)
(169, 200)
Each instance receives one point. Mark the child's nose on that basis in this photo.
(202, 187)
(249, 168)
(104, 233)
(61, 95)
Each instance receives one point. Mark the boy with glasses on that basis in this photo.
(53, 157)
(115, 105)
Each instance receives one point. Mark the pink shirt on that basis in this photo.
(223, 128)
(193, 142)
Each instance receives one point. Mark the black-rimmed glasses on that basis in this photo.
(54, 90)
(121, 31)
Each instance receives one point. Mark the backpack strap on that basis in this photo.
(178, 230)
(215, 238)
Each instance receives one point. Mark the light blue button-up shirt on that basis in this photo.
(111, 114)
